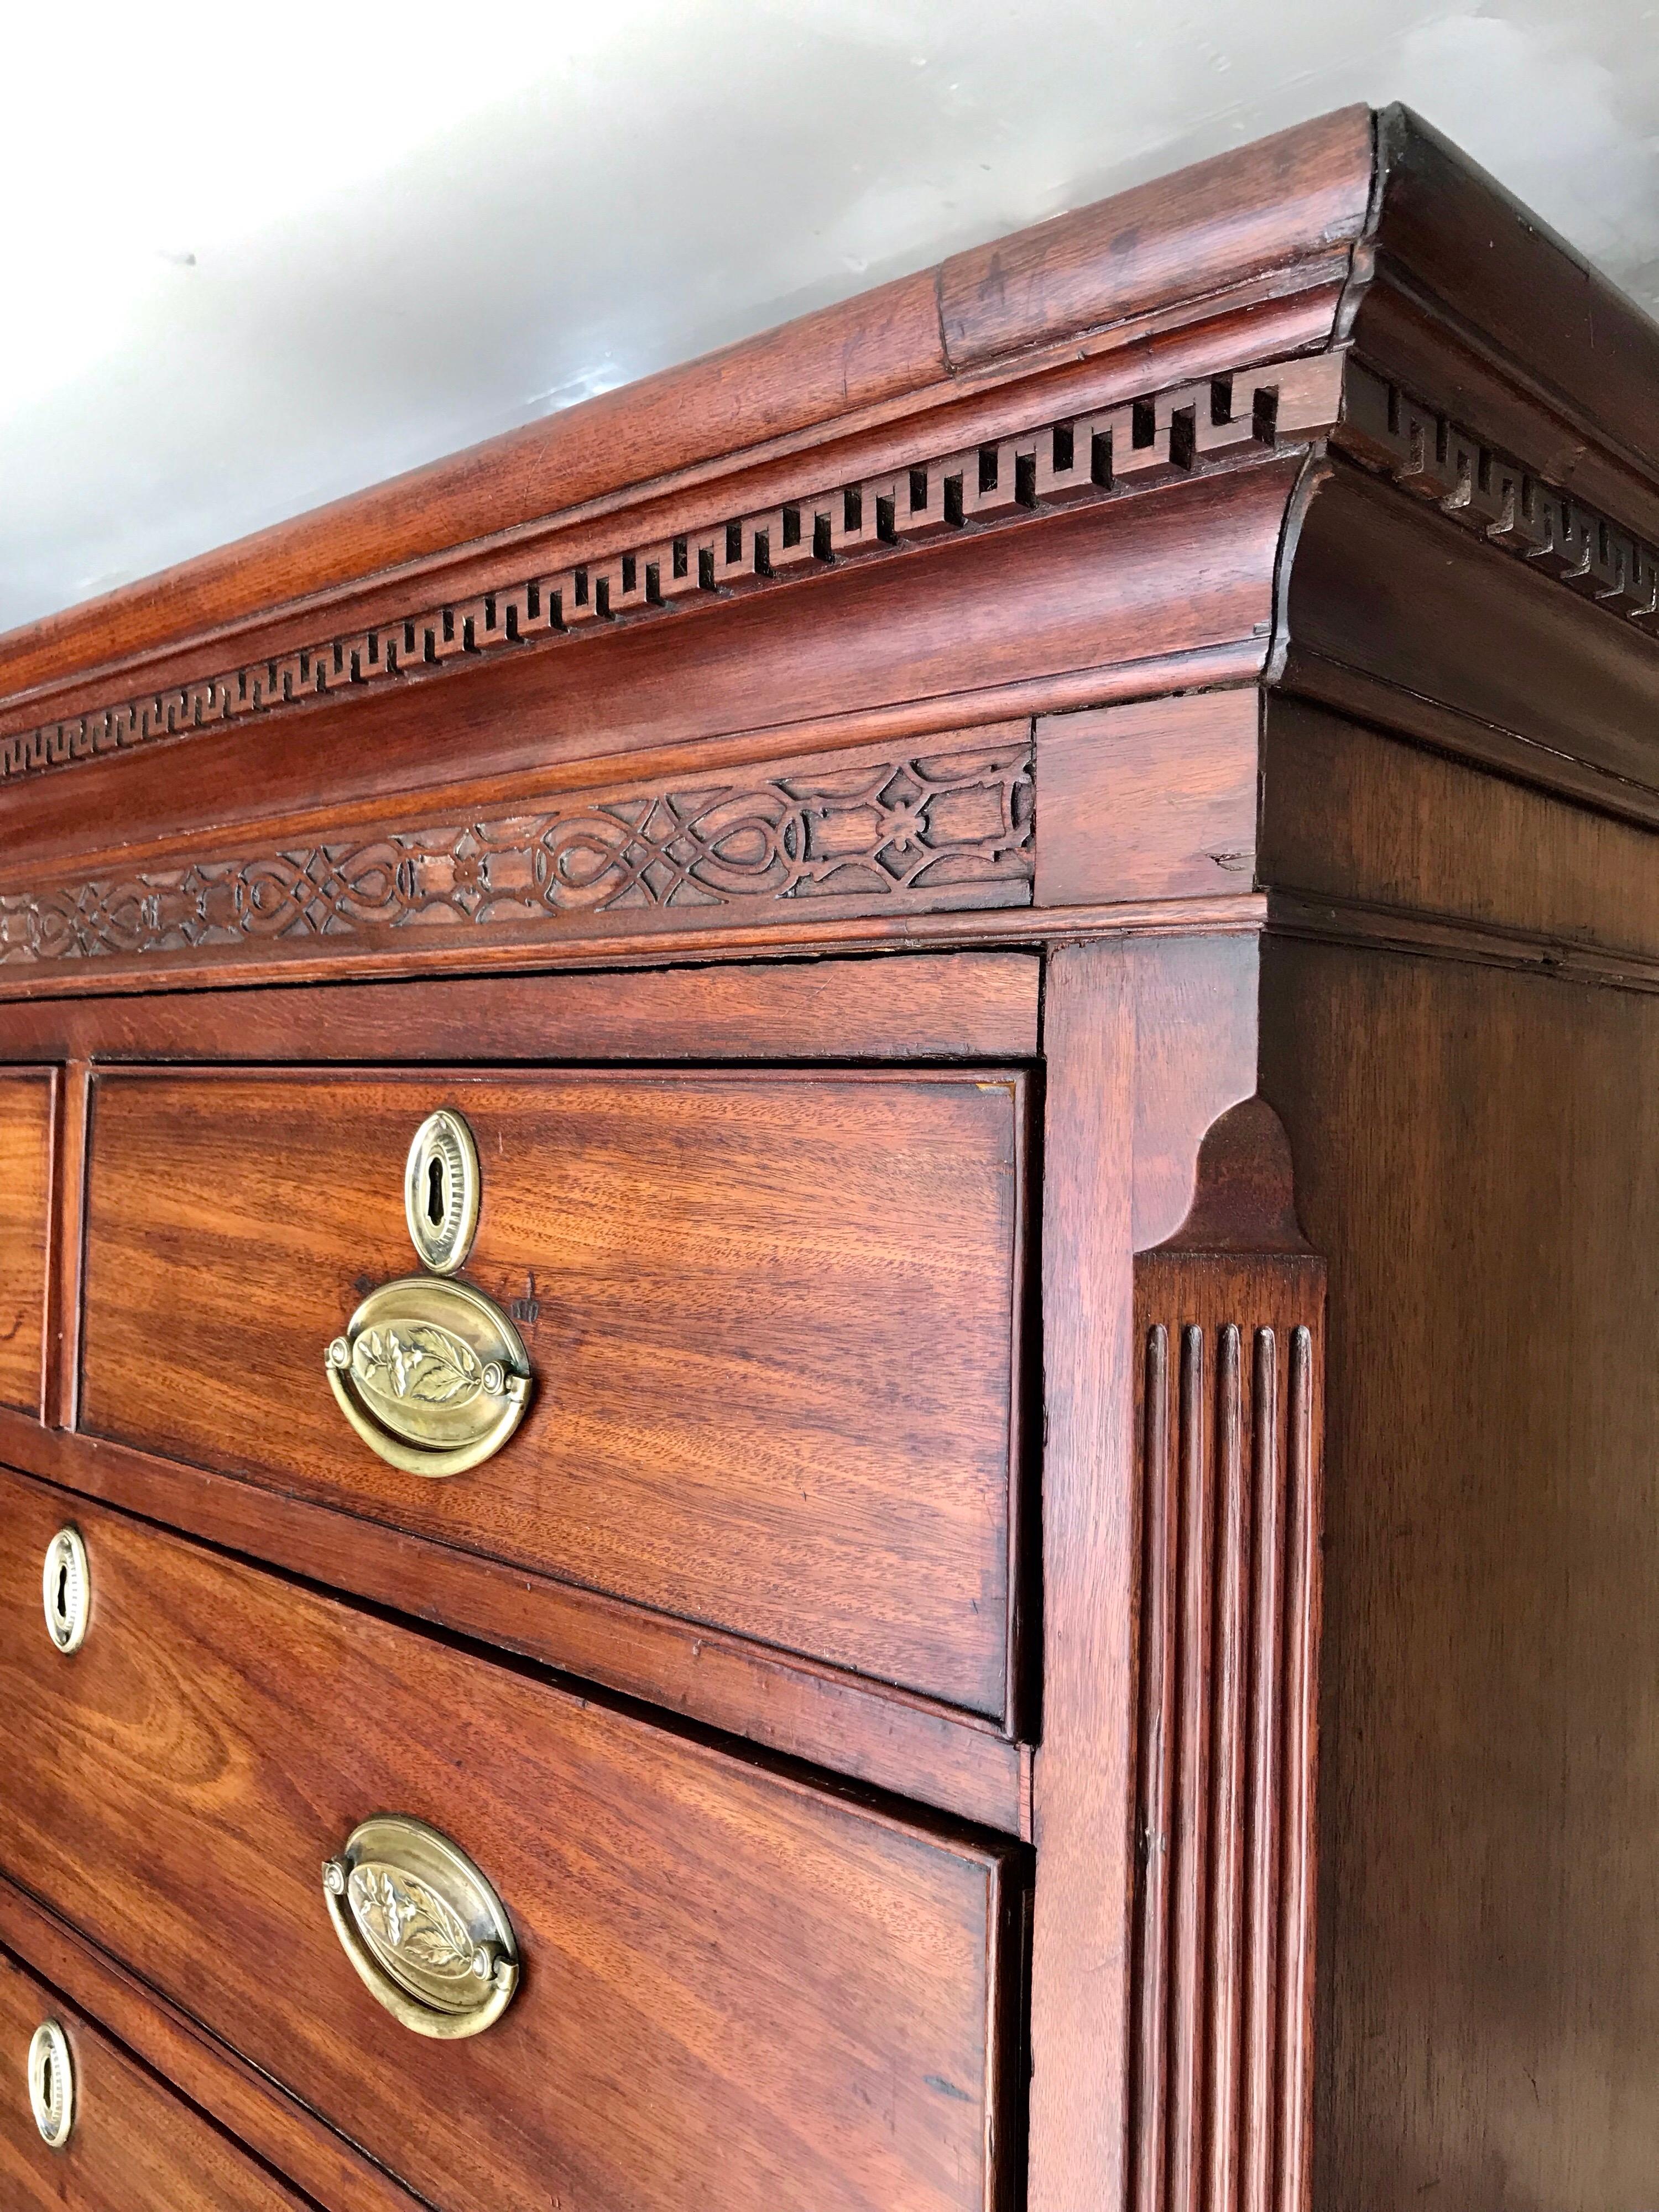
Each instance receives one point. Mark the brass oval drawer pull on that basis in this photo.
(427, 1934)
(431, 1374)
(52, 2084)
(66, 1589)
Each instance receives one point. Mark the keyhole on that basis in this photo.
(47, 2097)
(63, 1591)
(435, 1194)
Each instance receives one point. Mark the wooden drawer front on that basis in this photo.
(26, 1102)
(771, 1319)
(134, 2146)
(738, 1991)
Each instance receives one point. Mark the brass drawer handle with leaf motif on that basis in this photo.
(427, 1936)
(431, 1373)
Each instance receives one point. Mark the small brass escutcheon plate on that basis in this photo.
(52, 2084)
(427, 1935)
(431, 1374)
(440, 1191)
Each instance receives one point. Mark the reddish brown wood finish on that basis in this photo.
(1195, 1019)
(1088, 455)
(1295, 199)
(63, 1347)
(1356, 820)
(276, 2126)
(1285, 210)
(735, 1989)
(1476, 1152)
(1152, 800)
(1366, 627)
(1229, 1320)
(982, 618)
(1146, 1045)
(971, 465)
(892, 830)
(967, 1005)
(1471, 289)
(898, 1742)
(28, 1108)
(135, 2147)
(843, 359)
(1382, 602)
(773, 1321)
(1084, 1780)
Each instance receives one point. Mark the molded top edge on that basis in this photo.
(1300, 196)
(1478, 259)
(1382, 197)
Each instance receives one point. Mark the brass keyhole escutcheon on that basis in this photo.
(66, 1590)
(441, 1192)
(52, 2084)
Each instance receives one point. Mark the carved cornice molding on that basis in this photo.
(1183, 431)
(1426, 454)
(883, 831)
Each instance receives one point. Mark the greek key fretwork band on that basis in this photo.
(1428, 455)
(1166, 435)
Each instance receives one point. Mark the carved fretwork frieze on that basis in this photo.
(883, 829)
(1169, 435)
(1230, 1323)
(1426, 454)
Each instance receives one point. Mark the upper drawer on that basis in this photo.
(737, 1992)
(772, 1320)
(25, 1199)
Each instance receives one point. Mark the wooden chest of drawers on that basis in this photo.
(681, 1525)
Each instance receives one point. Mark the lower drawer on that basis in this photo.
(132, 2146)
(737, 1990)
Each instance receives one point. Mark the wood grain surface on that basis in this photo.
(1187, 570)
(1229, 1318)
(27, 1099)
(135, 2146)
(1084, 1786)
(1449, 237)
(1351, 817)
(1154, 800)
(275, 2126)
(1298, 196)
(933, 1754)
(772, 1321)
(922, 1006)
(781, 1476)
(1476, 1151)
(1385, 589)
(737, 1990)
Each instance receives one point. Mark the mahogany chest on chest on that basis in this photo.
(827, 1267)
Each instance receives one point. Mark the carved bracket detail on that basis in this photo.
(1231, 1328)
(1165, 437)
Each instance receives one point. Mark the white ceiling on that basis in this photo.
(259, 257)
